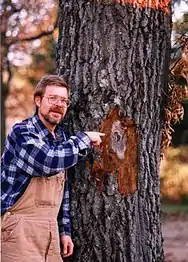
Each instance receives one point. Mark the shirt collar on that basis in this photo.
(43, 130)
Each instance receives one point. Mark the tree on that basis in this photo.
(21, 23)
(115, 56)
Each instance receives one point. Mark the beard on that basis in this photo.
(51, 120)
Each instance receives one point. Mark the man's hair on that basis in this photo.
(50, 80)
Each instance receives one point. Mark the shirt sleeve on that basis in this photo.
(37, 158)
(64, 213)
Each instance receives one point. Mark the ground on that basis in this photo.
(175, 234)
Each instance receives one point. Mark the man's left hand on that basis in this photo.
(68, 246)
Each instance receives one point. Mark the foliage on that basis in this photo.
(43, 61)
(181, 26)
(22, 22)
(174, 174)
(178, 90)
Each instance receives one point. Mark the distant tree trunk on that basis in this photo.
(4, 88)
(5, 70)
(115, 57)
(3, 123)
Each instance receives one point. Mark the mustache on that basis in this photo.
(57, 109)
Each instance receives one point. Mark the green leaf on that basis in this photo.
(181, 81)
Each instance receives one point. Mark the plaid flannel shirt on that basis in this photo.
(31, 151)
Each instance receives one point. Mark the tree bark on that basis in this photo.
(115, 58)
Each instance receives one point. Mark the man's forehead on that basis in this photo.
(56, 90)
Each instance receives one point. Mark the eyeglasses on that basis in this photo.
(55, 100)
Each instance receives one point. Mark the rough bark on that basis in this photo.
(116, 60)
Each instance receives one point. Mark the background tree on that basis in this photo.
(22, 22)
(115, 56)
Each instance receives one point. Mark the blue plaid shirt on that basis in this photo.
(32, 151)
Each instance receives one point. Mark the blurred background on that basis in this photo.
(29, 34)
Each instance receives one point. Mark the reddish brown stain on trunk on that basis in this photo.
(119, 152)
(155, 4)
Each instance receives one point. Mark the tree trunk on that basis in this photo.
(4, 93)
(4, 65)
(115, 58)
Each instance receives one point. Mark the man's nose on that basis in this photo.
(59, 102)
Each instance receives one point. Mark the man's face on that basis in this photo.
(51, 107)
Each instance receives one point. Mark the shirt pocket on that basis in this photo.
(48, 191)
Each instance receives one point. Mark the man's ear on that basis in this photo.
(38, 101)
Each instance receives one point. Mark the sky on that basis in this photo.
(180, 10)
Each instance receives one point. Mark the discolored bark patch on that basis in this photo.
(119, 152)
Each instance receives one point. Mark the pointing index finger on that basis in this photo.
(101, 134)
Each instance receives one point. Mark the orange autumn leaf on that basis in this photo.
(155, 4)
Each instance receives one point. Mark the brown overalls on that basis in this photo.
(29, 228)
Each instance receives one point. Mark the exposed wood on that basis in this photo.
(121, 138)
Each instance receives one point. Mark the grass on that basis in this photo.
(171, 208)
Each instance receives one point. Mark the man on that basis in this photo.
(35, 220)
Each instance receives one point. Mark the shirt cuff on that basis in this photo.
(86, 142)
(65, 231)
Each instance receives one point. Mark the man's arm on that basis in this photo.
(64, 224)
(64, 213)
(34, 156)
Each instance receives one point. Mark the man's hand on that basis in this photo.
(68, 246)
(95, 137)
